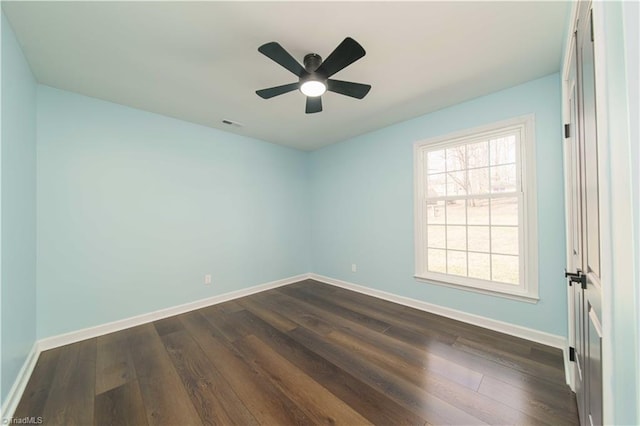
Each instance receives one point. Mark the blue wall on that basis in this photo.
(18, 195)
(135, 208)
(362, 206)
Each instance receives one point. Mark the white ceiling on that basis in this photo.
(198, 61)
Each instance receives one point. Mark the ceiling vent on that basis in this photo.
(232, 123)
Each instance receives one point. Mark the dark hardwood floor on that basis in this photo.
(307, 353)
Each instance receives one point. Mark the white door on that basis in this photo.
(584, 234)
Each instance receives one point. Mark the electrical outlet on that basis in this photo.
(207, 279)
(354, 267)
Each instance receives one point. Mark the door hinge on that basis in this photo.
(577, 277)
(572, 354)
(591, 24)
(567, 130)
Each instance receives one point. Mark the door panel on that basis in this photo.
(594, 341)
(589, 136)
(579, 344)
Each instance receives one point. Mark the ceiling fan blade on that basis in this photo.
(277, 53)
(355, 90)
(314, 104)
(278, 90)
(345, 54)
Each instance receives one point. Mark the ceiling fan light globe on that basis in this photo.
(313, 88)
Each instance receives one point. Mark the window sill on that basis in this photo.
(522, 297)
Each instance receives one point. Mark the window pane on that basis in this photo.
(479, 238)
(436, 185)
(504, 239)
(479, 181)
(505, 268)
(503, 178)
(478, 211)
(457, 212)
(478, 155)
(504, 211)
(437, 260)
(457, 262)
(457, 183)
(436, 236)
(503, 150)
(435, 162)
(457, 237)
(435, 212)
(456, 158)
(479, 266)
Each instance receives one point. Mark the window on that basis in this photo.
(475, 200)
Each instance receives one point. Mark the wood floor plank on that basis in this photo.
(447, 330)
(406, 356)
(496, 341)
(320, 405)
(227, 322)
(369, 402)
(37, 391)
(512, 360)
(539, 406)
(463, 397)
(71, 397)
(551, 358)
(482, 364)
(295, 312)
(210, 393)
(374, 308)
(433, 409)
(426, 343)
(147, 352)
(114, 366)
(168, 325)
(230, 306)
(265, 402)
(166, 401)
(305, 316)
(421, 321)
(272, 317)
(311, 298)
(120, 406)
(165, 398)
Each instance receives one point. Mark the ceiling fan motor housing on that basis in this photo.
(311, 62)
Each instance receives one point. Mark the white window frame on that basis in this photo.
(527, 290)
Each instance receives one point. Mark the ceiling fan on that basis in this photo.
(313, 78)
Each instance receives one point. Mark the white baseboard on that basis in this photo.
(100, 330)
(19, 385)
(492, 324)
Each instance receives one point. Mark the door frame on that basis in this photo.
(569, 367)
